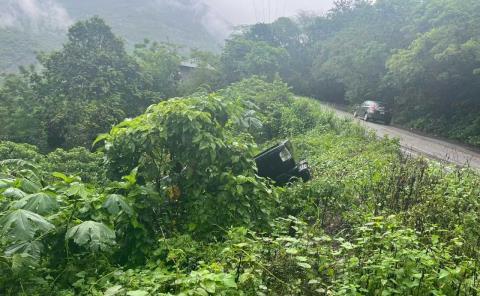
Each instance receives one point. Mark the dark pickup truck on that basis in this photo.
(277, 163)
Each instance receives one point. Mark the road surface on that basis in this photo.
(422, 145)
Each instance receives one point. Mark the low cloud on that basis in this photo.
(33, 14)
(253, 11)
(211, 19)
(218, 16)
(221, 16)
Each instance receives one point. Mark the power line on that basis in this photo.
(269, 7)
(275, 16)
(264, 11)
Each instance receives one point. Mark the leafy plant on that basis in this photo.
(23, 225)
(184, 152)
(184, 212)
(93, 235)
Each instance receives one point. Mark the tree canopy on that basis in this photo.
(420, 56)
(86, 87)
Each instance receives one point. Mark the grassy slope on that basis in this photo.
(372, 176)
(377, 221)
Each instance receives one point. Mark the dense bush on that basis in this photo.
(201, 170)
(262, 101)
(77, 161)
(183, 212)
(11, 150)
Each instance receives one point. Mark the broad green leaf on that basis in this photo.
(100, 138)
(14, 193)
(32, 248)
(229, 282)
(22, 225)
(64, 177)
(77, 189)
(30, 186)
(210, 286)
(245, 277)
(6, 183)
(292, 251)
(22, 261)
(443, 273)
(115, 290)
(40, 203)
(94, 235)
(137, 293)
(304, 265)
(301, 258)
(116, 203)
(132, 177)
(353, 261)
(201, 292)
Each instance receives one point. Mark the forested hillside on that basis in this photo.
(41, 25)
(421, 56)
(86, 87)
(181, 22)
(122, 175)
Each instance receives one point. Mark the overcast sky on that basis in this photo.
(219, 18)
(251, 11)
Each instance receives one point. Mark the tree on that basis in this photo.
(200, 176)
(92, 65)
(436, 78)
(87, 86)
(243, 58)
(159, 67)
(21, 111)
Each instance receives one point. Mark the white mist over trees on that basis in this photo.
(30, 26)
(253, 11)
(28, 14)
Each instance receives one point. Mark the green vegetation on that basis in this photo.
(119, 175)
(17, 48)
(179, 22)
(93, 83)
(177, 209)
(421, 56)
(85, 88)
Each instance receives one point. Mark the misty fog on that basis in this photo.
(253, 11)
(217, 13)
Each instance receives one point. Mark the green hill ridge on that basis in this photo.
(25, 30)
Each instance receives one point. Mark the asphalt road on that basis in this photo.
(422, 145)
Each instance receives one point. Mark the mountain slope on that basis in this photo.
(27, 26)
